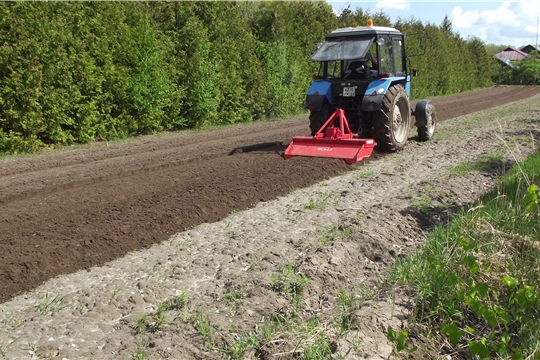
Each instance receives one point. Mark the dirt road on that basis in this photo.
(69, 210)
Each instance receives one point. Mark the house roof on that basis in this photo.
(511, 54)
(527, 49)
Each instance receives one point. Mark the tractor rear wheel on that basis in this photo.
(392, 123)
(425, 133)
(319, 117)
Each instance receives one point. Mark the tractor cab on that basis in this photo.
(357, 66)
(371, 50)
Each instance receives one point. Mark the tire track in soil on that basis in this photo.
(71, 210)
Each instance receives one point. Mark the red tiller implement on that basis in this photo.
(332, 142)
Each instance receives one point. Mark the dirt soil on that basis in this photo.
(94, 240)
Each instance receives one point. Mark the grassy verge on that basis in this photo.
(477, 280)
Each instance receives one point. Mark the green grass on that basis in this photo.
(4, 348)
(288, 282)
(175, 303)
(328, 236)
(49, 304)
(235, 301)
(140, 354)
(425, 203)
(287, 334)
(295, 330)
(201, 323)
(477, 280)
(319, 203)
(366, 174)
(157, 320)
(484, 163)
(114, 292)
(348, 303)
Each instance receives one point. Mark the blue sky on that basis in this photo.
(511, 23)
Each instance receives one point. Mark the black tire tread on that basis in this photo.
(423, 131)
(381, 121)
(318, 118)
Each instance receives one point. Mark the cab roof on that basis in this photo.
(361, 31)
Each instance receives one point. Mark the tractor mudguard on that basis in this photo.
(318, 91)
(373, 96)
(420, 112)
(372, 102)
(314, 102)
(376, 90)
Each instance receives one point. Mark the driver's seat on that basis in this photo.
(357, 69)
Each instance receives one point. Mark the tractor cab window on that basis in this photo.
(334, 69)
(330, 69)
(391, 56)
(372, 58)
(346, 58)
(397, 46)
(342, 50)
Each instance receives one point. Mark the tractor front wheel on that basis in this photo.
(392, 123)
(425, 133)
(319, 117)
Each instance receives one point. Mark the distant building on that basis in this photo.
(511, 54)
(527, 49)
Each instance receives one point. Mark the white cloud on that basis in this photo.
(393, 4)
(504, 34)
(509, 23)
(529, 11)
(531, 30)
(462, 19)
(502, 15)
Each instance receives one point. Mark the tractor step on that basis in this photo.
(332, 142)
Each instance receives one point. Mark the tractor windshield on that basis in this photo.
(342, 50)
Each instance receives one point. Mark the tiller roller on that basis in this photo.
(332, 142)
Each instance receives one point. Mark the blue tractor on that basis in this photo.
(364, 72)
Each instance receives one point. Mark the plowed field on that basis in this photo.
(74, 209)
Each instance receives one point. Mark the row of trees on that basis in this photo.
(74, 72)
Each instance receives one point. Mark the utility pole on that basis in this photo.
(537, 33)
